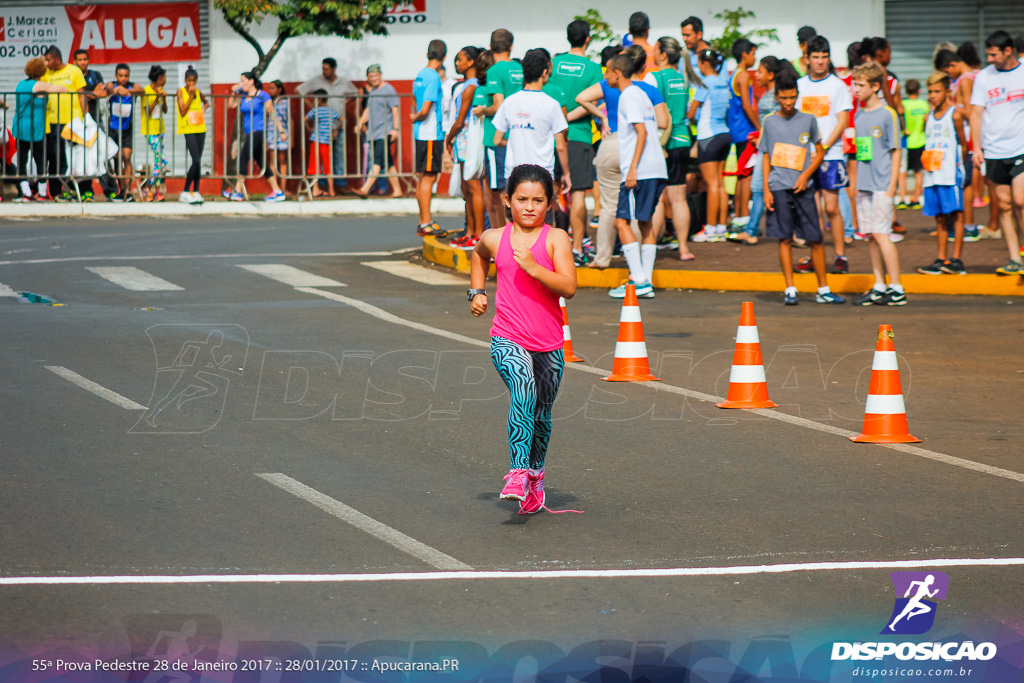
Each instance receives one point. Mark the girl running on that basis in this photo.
(713, 141)
(534, 268)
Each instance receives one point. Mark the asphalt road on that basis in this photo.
(368, 395)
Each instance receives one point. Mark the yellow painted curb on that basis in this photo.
(978, 284)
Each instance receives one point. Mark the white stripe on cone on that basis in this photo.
(746, 374)
(630, 314)
(747, 334)
(566, 335)
(626, 349)
(885, 404)
(884, 360)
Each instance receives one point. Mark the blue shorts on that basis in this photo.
(831, 175)
(794, 213)
(638, 203)
(940, 200)
(496, 167)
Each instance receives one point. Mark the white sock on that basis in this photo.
(824, 290)
(791, 290)
(897, 288)
(648, 252)
(632, 253)
(741, 221)
(720, 229)
(880, 287)
(43, 188)
(26, 189)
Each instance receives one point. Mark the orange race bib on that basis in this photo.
(195, 118)
(931, 159)
(816, 105)
(789, 156)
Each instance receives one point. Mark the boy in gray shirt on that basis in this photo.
(792, 152)
(878, 165)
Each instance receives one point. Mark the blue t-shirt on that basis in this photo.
(323, 128)
(121, 110)
(427, 88)
(253, 110)
(739, 125)
(611, 105)
(30, 121)
(714, 99)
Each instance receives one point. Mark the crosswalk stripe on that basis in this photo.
(291, 276)
(134, 279)
(90, 386)
(420, 274)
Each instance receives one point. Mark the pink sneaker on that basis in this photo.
(516, 483)
(534, 501)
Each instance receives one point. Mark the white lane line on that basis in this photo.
(661, 386)
(371, 526)
(512, 575)
(71, 259)
(421, 274)
(134, 279)
(90, 386)
(293, 277)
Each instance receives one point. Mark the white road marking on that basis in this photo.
(71, 259)
(371, 526)
(90, 386)
(689, 393)
(7, 291)
(293, 277)
(422, 274)
(134, 279)
(474, 575)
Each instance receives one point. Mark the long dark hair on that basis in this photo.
(529, 173)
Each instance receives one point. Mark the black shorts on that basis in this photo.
(714, 149)
(581, 166)
(794, 213)
(121, 138)
(382, 155)
(638, 203)
(678, 163)
(1003, 171)
(429, 154)
(914, 160)
(740, 146)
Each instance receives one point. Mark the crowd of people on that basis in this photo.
(652, 133)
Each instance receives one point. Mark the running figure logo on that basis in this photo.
(914, 613)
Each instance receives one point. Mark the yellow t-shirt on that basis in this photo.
(193, 121)
(152, 125)
(64, 107)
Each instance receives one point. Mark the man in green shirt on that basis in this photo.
(574, 73)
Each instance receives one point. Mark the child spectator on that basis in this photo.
(915, 111)
(713, 141)
(878, 164)
(742, 121)
(322, 122)
(280, 145)
(944, 158)
(787, 170)
(192, 105)
(121, 102)
(458, 144)
(154, 106)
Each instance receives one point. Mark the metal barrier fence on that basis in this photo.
(131, 143)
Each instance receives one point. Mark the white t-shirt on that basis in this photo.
(824, 100)
(1002, 124)
(636, 107)
(530, 118)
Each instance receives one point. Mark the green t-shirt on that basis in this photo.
(508, 76)
(914, 114)
(672, 86)
(574, 74)
(556, 93)
(484, 97)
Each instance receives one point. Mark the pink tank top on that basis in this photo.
(525, 311)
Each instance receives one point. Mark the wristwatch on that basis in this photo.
(470, 293)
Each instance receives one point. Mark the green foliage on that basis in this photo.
(601, 33)
(344, 18)
(731, 33)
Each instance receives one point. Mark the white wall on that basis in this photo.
(535, 23)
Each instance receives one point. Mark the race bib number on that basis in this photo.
(931, 159)
(789, 156)
(121, 110)
(816, 105)
(865, 149)
(195, 118)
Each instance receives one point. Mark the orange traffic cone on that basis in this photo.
(570, 357)
(885, 416)
(630, 363)
(748, 387)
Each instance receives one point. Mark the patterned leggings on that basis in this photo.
(156, 144)
(532, 378)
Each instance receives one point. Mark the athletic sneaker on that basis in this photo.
(460, 241)
(236, 197)
(804, 265)
(588, 247)
(1011, 268)
(897, 228)
(112, 197)
(915, 205)
(87, 196)
(579, 258)
(275, 197)
(196, 198)
(185, 198)
(226, 194)
(515, 485)
(702, 236)
(472, 241)
(644, 291)
(667, 241)
(790, 299)
(895, 238)
(954, 266)
(620, 291)
(870, 297)
(64, 197)
(983, 232)
(841, 266)
(860, 237)
(431, 230)
(972, 234)
(903, 204)
(595, 221)
(534, 500)
(934, 269)
(829, 298)
(893, 298)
